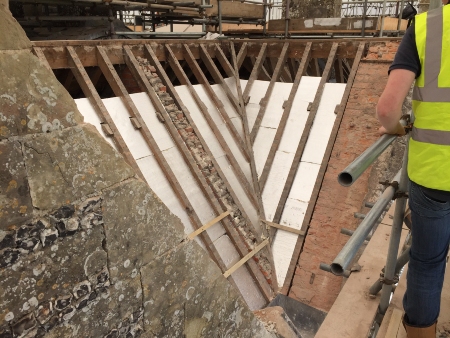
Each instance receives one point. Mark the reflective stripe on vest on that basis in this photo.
(431, 67)
(429, 150)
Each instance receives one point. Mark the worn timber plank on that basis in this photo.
(353, 311)
(266, 98)
(208, 61)
(255, 71)
(322, 170)
(201, 78)
(217, 205)
(256, 186)
(106, 121)
(305, 135)
(182, 77)
(287, 110)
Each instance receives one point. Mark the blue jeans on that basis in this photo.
(430, 241)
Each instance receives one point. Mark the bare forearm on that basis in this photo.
(389, 108)
(390, 120)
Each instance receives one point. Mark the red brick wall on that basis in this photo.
(128, 81)
(336, 204)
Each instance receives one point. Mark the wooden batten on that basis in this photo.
(284, 118)
(255, 71)
(184, 80)
(207, 191)
(302, 144)
(285, 228)
(107, 122)
(205, 227)
(201, 78)
(265, 100)
(256, 186)
(245, 259)
(322, 170)
(162, 162)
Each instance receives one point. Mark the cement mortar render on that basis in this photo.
(87, 249)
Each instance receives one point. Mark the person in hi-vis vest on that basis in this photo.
(424, 56)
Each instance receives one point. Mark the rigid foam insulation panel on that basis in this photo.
(305, 178)
(160, 185)
(216, 149)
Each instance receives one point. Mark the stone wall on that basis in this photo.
(336, 204)
(86, 248)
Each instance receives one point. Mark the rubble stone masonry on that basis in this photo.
(86, 248)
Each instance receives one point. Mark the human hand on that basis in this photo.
(400, 130)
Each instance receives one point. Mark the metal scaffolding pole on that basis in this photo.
(265, 16)
(286, 27)
(219, 12)
(350, 249)
(400, 12)
(351, 173)
(383, 12)
(396, 232)
(363, 30)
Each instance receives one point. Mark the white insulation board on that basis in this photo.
(161, 186)
(217, 150)
(300, 194)
(288, 145)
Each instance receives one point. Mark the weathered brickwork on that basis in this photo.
(86, 248)
(337, 204)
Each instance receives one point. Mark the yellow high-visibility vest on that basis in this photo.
(429, 147)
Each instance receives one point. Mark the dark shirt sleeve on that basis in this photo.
(407, 56)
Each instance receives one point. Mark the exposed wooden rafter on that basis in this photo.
(40, 54)
(241, 56)
(182, 77)
(227, 67)
(118, 87)
(201, 78)
(171, 89)
(208, 61)
(252, 163)
(215, 203)
(284, 118)
(323, 167)
(265, 100)
(285, 61)
(302, 144)
(107, 123)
